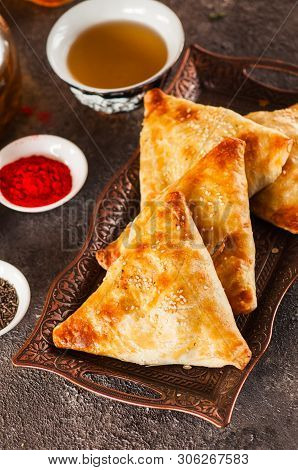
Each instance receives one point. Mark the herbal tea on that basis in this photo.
(116, 54)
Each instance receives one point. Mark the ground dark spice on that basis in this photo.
(8, 303)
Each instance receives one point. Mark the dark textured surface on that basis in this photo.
(39, 410)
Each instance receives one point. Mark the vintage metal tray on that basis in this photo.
(208, 393)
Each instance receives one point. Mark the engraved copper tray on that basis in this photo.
(208, 393)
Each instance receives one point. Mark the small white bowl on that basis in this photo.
(53, 147)
(11, 274)
(86, 14)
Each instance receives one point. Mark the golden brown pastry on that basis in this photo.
(216, 192)
(177, 132)
(278, 202)
(161, 301)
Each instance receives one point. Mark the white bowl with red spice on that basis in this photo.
(40, 172)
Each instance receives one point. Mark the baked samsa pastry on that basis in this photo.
(278, 202)
(215, 189)
(160, 302)
(177, 132)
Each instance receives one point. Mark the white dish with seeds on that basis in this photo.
(13, 276)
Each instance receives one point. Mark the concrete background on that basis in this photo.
(39, 410)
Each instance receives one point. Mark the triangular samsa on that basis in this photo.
(161, 302)
(216, 192)
(177, 132)
(278, 203)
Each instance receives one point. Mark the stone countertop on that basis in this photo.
(41, 411)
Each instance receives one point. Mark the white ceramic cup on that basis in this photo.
(86, 14)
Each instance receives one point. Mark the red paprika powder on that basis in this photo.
(35, 181)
